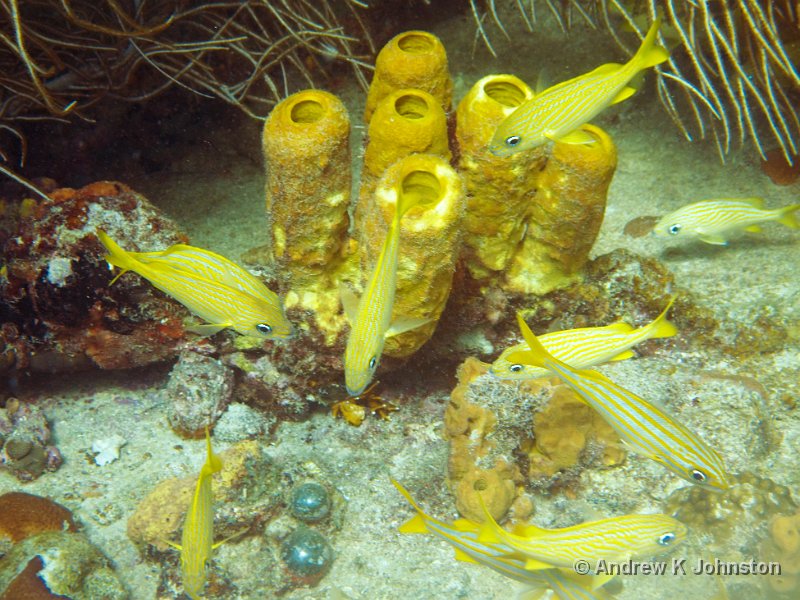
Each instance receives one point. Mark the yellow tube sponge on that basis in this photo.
(404, 122)
(306, 143)
(430, 237)
(566, 215)
(500, 190)
(412, 59)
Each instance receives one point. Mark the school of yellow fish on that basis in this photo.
(225, 295)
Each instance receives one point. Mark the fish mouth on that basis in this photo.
(499, 151)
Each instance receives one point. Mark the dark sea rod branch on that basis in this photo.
(59, 58)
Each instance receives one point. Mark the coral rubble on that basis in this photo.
(25, 447)
(198, 391)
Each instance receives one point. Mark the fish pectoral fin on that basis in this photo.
(349, 302)
(229, 538)
(415, 524)
(753, 229)
(624, 355)
(208, 328)
(465, 525)
(177, 547)
(598, 581)
(464, 557)
(710, 238)
(626, 93)
(402, 325)
(531, 564)
(579, 136)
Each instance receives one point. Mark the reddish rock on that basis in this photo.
(57, 304)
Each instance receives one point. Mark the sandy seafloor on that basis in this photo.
(215, 192)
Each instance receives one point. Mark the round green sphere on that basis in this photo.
(310, 502)
(307, 552)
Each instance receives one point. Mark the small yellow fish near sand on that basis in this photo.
(712, 221)
(645, 427)
(617, 539)
(209, 285)
(370, 317)
(558, 112)
(198, 529)
(462, 535)
(584, 347)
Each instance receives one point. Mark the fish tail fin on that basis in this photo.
(537, 356)
(788, 216)
(213, 461)
(116, 256)
(660, 327)
(650, 53)
(416, 524)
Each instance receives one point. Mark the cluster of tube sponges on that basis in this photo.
(523, 223)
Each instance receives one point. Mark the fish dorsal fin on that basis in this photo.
(463, 556)
(755, 202)
(620, 327)
(576, 137)
(605, 69)
(529, 530)
(402, 325)
(415, 524)
(349, 302)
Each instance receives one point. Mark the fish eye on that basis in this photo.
(515, 368)
(666, 539)
(674, 229)
(513, 140)
(372, 362)
(264, 328)
(699, 476)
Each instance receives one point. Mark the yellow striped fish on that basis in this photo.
(370, 317)
(611, 540)
(585, 347)
(209, 285)
(558, 112)
(462, 535)
(712, 220)
(643, 426)
(198, 529)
